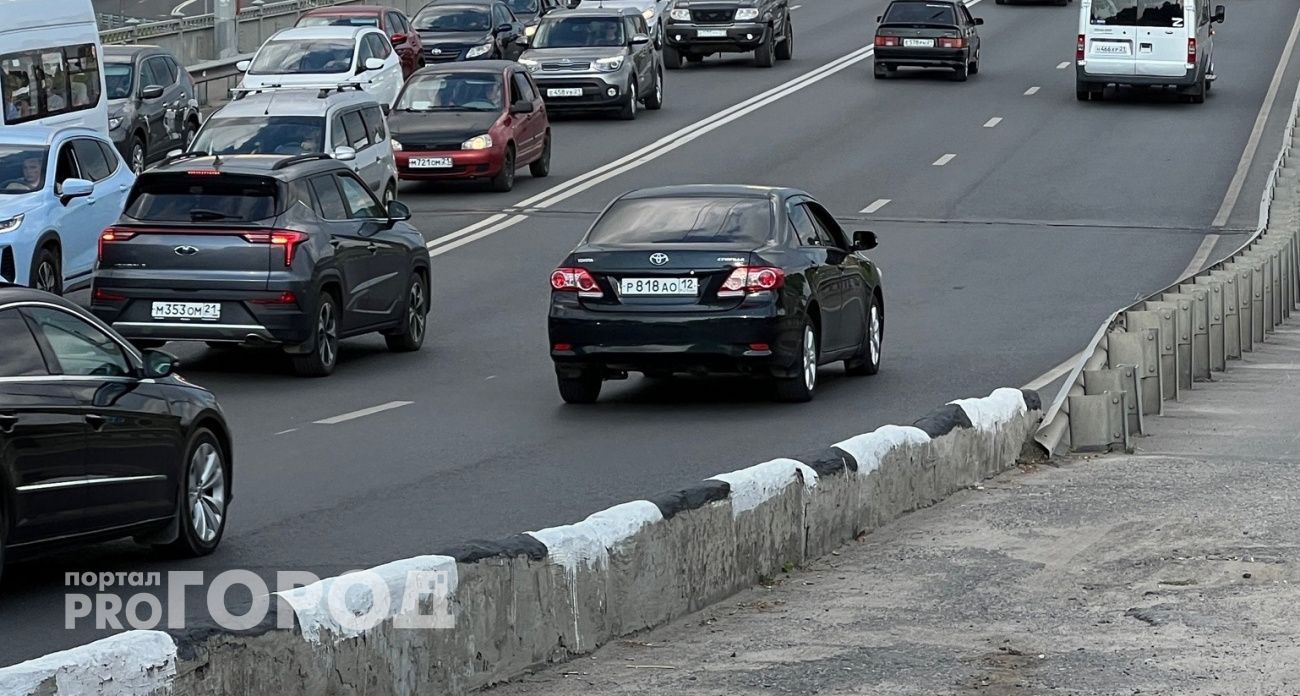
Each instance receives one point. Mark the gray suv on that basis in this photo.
(152, 108)
(596, 59)
(294, 252)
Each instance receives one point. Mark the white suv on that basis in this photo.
(325, 57)
(342, 121)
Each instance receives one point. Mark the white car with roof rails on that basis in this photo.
(343, 121)
(326, 56)
(1148, 43)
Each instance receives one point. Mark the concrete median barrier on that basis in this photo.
(484, 612)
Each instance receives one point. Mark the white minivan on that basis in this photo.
(1164, 43)
(50, 58)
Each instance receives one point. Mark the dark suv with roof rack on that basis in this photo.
(699, 28)
(294, 252)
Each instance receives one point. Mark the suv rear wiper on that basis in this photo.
(200, 214)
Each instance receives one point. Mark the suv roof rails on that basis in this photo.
(299, 159)
(183, 156)
(325, 91)
(238, 93)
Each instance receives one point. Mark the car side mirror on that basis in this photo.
(879, 18)
(151, 92)
(521, 107)
(505, 28)
(398, 212)
(864, 240)
(979, 21)
(1219, 13)
(372, 64)
(521, 40)
(386, 108)
(343, 153)
(74, 188)
(158, 364)
(640, 40)
(243, 65)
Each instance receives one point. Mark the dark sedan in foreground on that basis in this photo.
(715, 279)
(928, 34)
(99, 441)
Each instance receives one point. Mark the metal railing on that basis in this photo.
(1171, 341)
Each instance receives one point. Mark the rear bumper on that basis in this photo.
(719, 342)
(595, 91)
(923, 57)
(466, 164)
(246, 316)
(741, 37)
(1187, 79)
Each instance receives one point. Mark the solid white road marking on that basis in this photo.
(653, 151)
(363, 412)
(286, 432)
(1256, 133)
(1031, 91)
(1063, 65)
(993, 122)
(944, 160)
(795, 7)
(880, 203)
(1201, 256)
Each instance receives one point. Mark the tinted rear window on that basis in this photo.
(202, 198)
(1138, 13)
(920, 13)
(685, 220)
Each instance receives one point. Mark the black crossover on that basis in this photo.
(99, 441)
(697, 29)
(723, 279)
(293, 252)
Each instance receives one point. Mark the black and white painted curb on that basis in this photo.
(540, 597)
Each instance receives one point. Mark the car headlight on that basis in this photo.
(609, 64)
(113, 123)
(11, 224)
(648, 13)
(530, 30)
(478, 142)
(479, 51)
(397, 147)
(530, 65)
(745, 14)
(682, 15)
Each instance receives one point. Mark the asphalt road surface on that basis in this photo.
(1012, 220)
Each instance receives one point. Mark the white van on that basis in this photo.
(1165, 43)
(50, 64)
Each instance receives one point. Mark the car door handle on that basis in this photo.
(96, 421)
(7, 423)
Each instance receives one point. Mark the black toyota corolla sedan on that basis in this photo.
(715, 279)
(99, 441)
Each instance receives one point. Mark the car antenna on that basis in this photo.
(269, 102)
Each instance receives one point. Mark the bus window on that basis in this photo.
(49, 82)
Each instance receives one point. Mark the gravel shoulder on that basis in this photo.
(1168, 571)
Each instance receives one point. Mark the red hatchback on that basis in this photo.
(470, 120)
(406, 41)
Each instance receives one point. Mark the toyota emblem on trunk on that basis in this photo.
(659, 258)
(186, 250)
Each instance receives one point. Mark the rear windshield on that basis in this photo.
(684, 220)
(1138, 13)
(920, 13)
(202, 198)
(274, 135)
(339, 21)
(297, 56)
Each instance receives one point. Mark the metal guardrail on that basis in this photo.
(1157, 348)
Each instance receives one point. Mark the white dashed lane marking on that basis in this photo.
(363, 412)
(875, 206)
(993, 122)
(944, 160)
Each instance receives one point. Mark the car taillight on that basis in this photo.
(101, 295)
(1191, 52)
(1079, 48)
(289, 239)
(285, 298)
(886, 40)
(950, 42)
(577, 280)
(110, 235)
(747, 279)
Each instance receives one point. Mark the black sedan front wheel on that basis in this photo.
(204, 497)
(867, 361)
(799, 386)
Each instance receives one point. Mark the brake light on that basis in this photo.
(203, 172)
(1191, 52)
(110, 235)
(1079, 48)
(285, 298)
(950, 42)
(101, 295)
(886, 40)
(577, 280)
(747, 279)
(289, 239)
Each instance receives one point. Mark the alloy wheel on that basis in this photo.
(207, 492)
(415, 311)
(46, 279)
(874, 339)
(809, 358)
(327, 334)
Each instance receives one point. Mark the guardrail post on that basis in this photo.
(1188, 369)
(1276, 281)
(1200, 328)
(1122, 380)
(1163, 317)
(1231, 317)
(1258, 293)
(1097, 422)
(1142, 350)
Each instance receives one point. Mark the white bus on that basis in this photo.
(50, 64)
